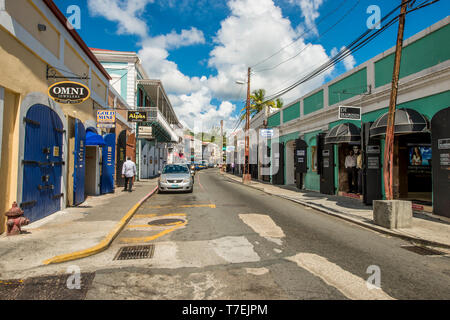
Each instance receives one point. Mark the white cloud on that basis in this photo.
(310, 12)
(349, 62)
(254, 30)
(125, 12)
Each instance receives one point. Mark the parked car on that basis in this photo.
(176, 177)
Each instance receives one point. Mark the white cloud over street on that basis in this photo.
(253, 31)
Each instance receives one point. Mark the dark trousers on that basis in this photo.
(351, 179)
(360, 180)
(128, 181)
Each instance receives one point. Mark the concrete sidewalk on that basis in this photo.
(427, 229)
(71, 230)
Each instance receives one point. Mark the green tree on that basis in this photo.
(258, 102)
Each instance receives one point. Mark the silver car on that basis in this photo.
(176, 177)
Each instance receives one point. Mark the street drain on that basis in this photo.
(424, 251)
(135, 252)
(166, 222)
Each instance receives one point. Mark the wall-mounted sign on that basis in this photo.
(349, 113)
(145, 132)
(373, 149)
(137, 116)
(69, 92)
(267, 133)
(443, 144)
(106, 119)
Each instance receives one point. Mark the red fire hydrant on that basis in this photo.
(15, 220)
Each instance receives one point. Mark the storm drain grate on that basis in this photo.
(135, 252)
(424, 251)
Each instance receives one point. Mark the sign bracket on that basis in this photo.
(51, 74)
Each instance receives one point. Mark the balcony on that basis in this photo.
(160, 113)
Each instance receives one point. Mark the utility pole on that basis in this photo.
(246, 178)
(221, 147)
(388, 168)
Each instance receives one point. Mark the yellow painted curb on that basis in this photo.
(105, 242)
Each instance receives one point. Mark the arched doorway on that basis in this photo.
(289, 163)
(121, 157)
(42, 163)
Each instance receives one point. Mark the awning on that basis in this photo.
(344, 133)
(406, 121)
(93, 139)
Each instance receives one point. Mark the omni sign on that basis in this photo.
(69, 92)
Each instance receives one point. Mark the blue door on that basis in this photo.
(79, 165)
(42, 163)
(108, 164)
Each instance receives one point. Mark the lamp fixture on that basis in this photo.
(42, 27)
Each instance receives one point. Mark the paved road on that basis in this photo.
(228, 241)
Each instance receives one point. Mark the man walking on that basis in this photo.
(128, 172)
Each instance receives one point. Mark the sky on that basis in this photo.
(199, 48)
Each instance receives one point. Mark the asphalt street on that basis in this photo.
(229, 241)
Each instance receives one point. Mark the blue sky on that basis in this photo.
(199, 48)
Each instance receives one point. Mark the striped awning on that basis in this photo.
(406, 121)
(344, 133)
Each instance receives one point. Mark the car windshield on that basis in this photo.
(175, 169)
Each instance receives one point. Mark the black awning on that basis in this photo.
(406, 121)
(344, 133)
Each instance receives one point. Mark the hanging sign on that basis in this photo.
(69, 92)
(145, 132)
(349, 113)
(106, 119)
(137, 116)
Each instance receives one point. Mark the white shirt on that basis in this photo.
(129, 169)
(350, 161)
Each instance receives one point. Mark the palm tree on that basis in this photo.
(258, 103)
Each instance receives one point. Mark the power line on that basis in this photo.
(319, 37)
(355, 45)
(300, 36)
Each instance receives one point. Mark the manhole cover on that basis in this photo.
(423, 250)
(135, 252)
(166, 222)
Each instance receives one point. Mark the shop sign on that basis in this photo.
(445, 159)
(267, 133)
(137, 116)
(145, 132)
(373, 163)
(349, 113)
(443, 144)
(69, 92)
(300, 153)
(106, 119)
(373, 149)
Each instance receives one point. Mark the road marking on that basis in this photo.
(264, 226)
(145, 215)
(156, 215)
(212, 206)
(257, 271)
(350, 285)
(151, 238)
(234, 249)
(157, 226)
